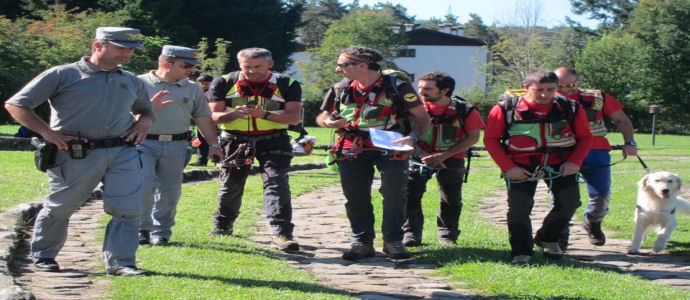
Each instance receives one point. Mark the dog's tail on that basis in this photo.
(682, 206)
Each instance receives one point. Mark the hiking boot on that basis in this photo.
(359, 251)
(200, 163)
(159, 241)
(46, 265)
(144, 237)
(220, 231)
(412, 241)
(446, 241)
(396, 250)
(125, 271)
(521, 260)
(552, 250)
(284, 243)
(563, 241)
(596, 236)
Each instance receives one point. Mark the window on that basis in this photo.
(407, 53)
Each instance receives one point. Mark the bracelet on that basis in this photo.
(267, 114)
(414, 137)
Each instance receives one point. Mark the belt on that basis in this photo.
(108, 143)
(255, 138)
(169, 137)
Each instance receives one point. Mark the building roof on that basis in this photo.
(428, 37)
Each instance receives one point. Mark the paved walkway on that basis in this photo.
(322, 229)
(664, 268)
(79, 258)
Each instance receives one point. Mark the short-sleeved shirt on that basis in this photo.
(473, 121)
(611, 105)
(87, 100)
(189, 102)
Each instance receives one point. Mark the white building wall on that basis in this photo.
(464, 63)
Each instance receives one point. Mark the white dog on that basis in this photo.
(657, 205)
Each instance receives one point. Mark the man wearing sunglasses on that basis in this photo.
(367, 99)
(166, 152)
(595, 168)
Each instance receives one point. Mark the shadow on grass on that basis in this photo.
(218, 246)
(451, 255)
(256, 283)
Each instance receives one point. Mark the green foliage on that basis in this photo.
(612, 13)
(664, 28)
(317, 16)
(618, 64)
(518, 51)
(475, 28)
(269, 24)
(364, 27)
(146, 58)
(214, 65)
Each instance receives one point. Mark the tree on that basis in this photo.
(214, 65)
(619, 64)
(664, 26)
(317, 16)
(269, 24)
(475, 28)
(364, 27)
(613, 13)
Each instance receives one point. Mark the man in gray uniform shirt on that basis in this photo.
(165, 152)
(92, 100)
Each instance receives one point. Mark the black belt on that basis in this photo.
(256, 138)
(108, 143)
(169, 137)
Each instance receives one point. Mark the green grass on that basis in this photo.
(8, 130)
(196, 266)
(481, 257)
(20, 182)
(200, 267)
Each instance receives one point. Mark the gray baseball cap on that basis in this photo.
(119, 36)
(188, 55)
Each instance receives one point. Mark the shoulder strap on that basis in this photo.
(283, 82)
(340, 88)
(390, 83)
(508, 106)
(569, 108)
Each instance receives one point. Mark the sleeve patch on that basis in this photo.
(410, 97)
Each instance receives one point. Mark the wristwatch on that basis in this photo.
(214, 146)
(267, 114)
(630, 143)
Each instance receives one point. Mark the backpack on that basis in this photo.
(283, 82)
(462, 109)
(390, 84)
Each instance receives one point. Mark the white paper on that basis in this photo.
(384, 139)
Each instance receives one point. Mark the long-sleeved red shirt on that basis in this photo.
(495, 126)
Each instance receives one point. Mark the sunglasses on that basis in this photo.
(188, 66)
(568, 86)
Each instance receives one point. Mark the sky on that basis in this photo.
(499, 12)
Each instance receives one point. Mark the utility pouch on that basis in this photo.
(77, 149)
(45, 153)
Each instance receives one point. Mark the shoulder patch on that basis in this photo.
(410, 97)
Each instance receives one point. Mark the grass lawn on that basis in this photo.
(196, 266)
(200, 267)
(481, 257)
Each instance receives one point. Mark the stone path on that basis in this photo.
(322, 230)
(663, 268)
(78, 259)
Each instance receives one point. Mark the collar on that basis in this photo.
(85, 66)
(151, 75)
